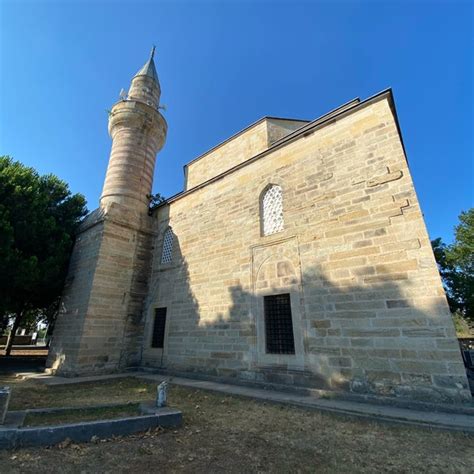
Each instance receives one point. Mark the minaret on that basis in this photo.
(138, 132)
(100, 324)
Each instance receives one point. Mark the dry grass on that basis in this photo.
(82, 414)
(229, 434)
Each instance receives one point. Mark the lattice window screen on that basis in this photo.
(272, 207)
(167, 253)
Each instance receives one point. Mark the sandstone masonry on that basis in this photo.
(100, 327)
(367, 312)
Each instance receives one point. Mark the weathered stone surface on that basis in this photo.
(385, 178)
(359, 267)
(244, 145)
(100, 325)
(368, 309)
(4, 400)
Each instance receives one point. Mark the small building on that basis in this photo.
(296, 254)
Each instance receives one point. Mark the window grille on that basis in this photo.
(167, 253)
(158, 336)
(272, 209)
(278, 325)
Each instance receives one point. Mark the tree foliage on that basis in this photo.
(456, 266)
(38, 220)
(156, 199)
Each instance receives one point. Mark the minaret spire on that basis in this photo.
(149, 68)
(145, 84)
(138, 131)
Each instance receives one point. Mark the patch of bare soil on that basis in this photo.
(230, 434)
(27, 352)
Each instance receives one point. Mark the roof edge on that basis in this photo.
(321, 118)
(311, 127)
(240, 132)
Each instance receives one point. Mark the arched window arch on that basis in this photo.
(272, 210)
(167, 252)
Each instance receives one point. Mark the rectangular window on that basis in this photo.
(278, 324)
(158, 337)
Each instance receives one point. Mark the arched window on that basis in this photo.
(272, 210)
(167, 252)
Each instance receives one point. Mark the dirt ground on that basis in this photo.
(28, 351)
(233, 435)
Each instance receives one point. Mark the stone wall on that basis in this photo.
(279, 128)
(68, 327)
(244, 145)
(100, 325)
(369, 312)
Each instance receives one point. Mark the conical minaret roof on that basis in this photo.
(149, 68)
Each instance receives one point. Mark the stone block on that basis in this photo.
(321, 324)
(397, 304)
(420, 367)
(362, 342)
(424, 332)
(222, 355)
(451, 381)
(372, 332)
(323, 350)
(5, 393)
(383, 375)
(352, 314)
(340, 361)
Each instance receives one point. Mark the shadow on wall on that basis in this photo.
(71, 328)
(380, 337)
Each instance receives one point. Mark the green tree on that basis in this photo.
(154, 200)
(456, 266)
(38, 220)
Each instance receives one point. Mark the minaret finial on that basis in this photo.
(149, 67)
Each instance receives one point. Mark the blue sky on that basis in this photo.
(223, 65)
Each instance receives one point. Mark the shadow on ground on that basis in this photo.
(227, 434)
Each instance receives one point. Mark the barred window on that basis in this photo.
(278, 324)
(167, 252)
(272, 210)
(159, 325)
